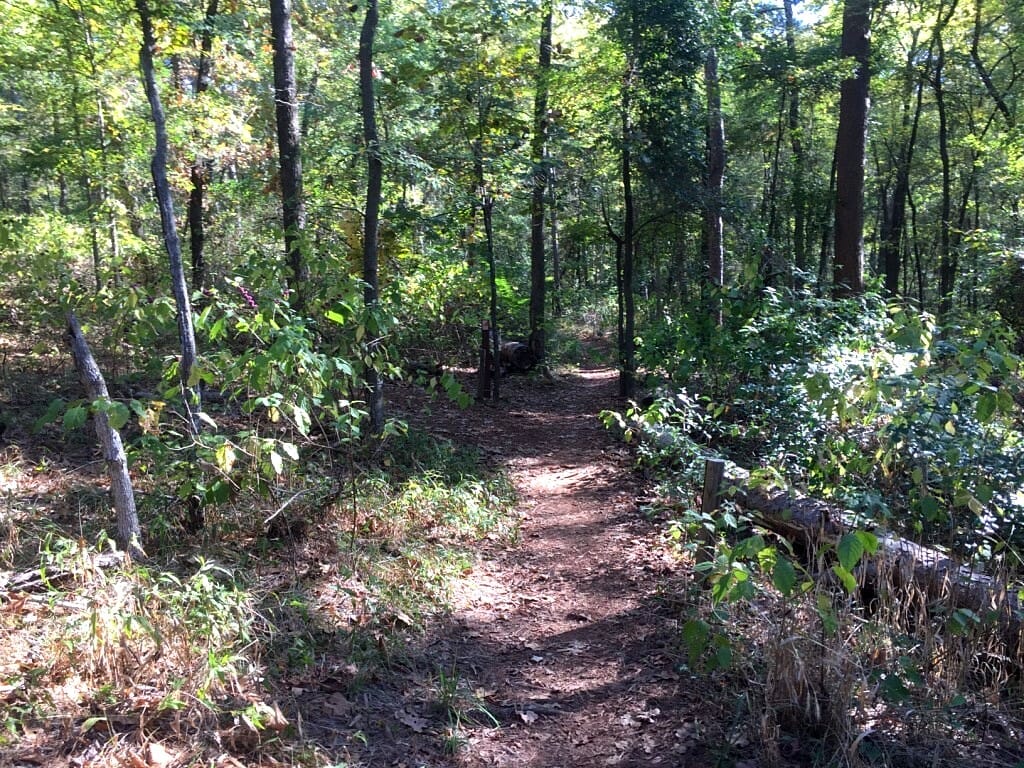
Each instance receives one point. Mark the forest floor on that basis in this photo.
(563, 648)
(559, 646)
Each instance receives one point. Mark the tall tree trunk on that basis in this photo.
(374, 182)
(851, 143)
(769, 251)
(495, 372)
(286, 111)
(797, 193)
(556, 258)
(129, 533)
(947, 256)
(627, 344)
(894, 219)
(538, 160)
(826, 229)
(713, 234)
(186, 330)
(202, 167)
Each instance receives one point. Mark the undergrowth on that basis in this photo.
(915, 429)
(213, 641)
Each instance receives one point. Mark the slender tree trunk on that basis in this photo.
(129, 533)
(769, 252)
(797, 193)
(202, 167)
(495, 373)
(851, 143)
(713, 234)
(286, 111)
(158, 166)
(103, 191)
(826, 229)
(947, 258)
(556, 258)
(895, 218)
(374, 183)
(538, 158)
(627, 349)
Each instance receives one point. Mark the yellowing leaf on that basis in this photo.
(226, 457)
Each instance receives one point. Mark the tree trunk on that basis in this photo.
(186, 330)
(556, 259)
(947, 257)
(895, 217)
(202, 167)
(900, 567)
(374, 183)
(488, 210)
(715, 256)
(538, 147)
(286, 111)
(627, 350)
(797, 192)
(129, 533)
(851, 143)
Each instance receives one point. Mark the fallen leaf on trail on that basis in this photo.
(418, 724)
(529, 717)
(533, 646)
(537, 659)
(158, 755)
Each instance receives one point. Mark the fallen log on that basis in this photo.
(899, 569)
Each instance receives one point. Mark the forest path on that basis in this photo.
(563, 637)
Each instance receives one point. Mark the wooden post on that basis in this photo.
(483, 387)
(714, 471)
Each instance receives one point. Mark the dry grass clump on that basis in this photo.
(99, 655)
(901, 681)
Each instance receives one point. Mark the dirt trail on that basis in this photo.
(564, 637)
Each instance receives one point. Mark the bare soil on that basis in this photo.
(568, 639)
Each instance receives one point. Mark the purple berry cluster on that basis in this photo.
(247, 296)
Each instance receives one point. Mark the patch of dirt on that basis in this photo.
(564, 639)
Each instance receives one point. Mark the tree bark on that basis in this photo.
(371, 217)
(895, 217)
(488, 211)
(899, 566)
(202, 167)
(286, 111)
(715, 256)
(627, 344)
(158, 166)
(797, 192)
(851, 143)
(538, 158)
(129, 533)
(947, 257)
